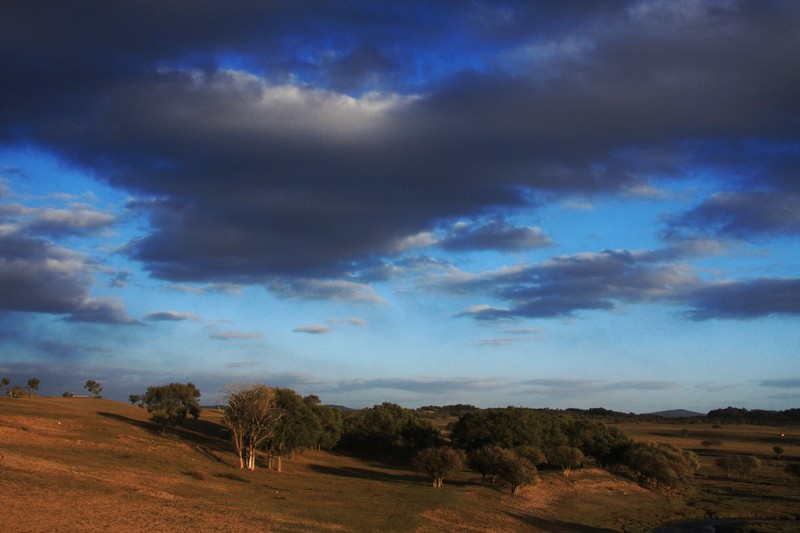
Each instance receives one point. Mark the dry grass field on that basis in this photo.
(70, 464)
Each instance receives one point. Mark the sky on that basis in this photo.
(544, 204)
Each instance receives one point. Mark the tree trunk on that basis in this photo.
(279, 464)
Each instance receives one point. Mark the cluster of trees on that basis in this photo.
(517, 466)
(550, 432)
(508, 444)
(736, 415)
(388, 430)
(556, 439)
(32, 387)
(736, 466)
(666, 466)
(170, 404)
(19, 391)
(278, 422)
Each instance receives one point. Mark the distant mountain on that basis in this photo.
(341, 408)
(677, 413)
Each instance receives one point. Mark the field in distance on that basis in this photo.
(69, 464)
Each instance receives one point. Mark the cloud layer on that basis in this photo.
(254, 175)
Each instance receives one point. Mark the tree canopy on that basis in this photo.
(170, 404)
(388, 429)
(439, 462)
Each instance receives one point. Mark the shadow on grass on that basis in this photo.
(206, 438)
(376, 475)
(545, 524)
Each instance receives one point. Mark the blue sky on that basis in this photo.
(581, 204)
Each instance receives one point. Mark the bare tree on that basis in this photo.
(251, 415)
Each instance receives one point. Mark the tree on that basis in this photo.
(531, 453)
(388, 429)
(136, 399)
(296, 429)
(33, 386)
(487, 461)
(170, 404)
(518, 471)
(665, 465)
(250, 415)
(566, 457)
(439, 462)
(331, 425)
(4, 383)
(94, 388)
(738, 465)
(17, 391)
(778, 451)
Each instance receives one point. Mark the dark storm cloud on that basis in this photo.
(36, 276)
(68, 350)
(170, 316)
(564, 285)
(493, 235)
(257, 176)
(743, 215)
(746, 299)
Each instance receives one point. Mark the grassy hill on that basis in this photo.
(69, 464)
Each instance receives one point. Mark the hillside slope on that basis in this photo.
(72, 464)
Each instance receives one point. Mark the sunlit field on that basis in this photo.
(84, 464)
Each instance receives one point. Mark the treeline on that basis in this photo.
(736, 415)
(511, 444)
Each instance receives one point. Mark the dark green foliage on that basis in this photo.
(517, 466)
(487, 461)
(517, 471)
(736, 466)
(170, 404)
(328, 426)
(94, 388)
(388, 429)
(545, 430)
(136, 399)
(439, 462)
(606, 444)
(735, 415)
(665, 465)
(531, 453)
(567, 457)
(68, 394)
(509, 428)
(778, 451)
(297, 428)
(33, 385)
